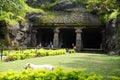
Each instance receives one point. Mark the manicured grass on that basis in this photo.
(98, 63)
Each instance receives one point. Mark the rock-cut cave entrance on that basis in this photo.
(91, 38)
(44, 36)
(67, 37)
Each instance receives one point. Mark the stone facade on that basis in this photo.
(68, 15)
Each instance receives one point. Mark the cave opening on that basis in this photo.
(67, 37)
(91, 38)
(44, 36)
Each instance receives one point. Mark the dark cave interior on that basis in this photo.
(91, 38)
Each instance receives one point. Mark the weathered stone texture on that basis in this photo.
(65, 12)
(113, 37)
(20, 35)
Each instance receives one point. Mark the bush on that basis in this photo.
(57, 74)
(71, 51)
(31, 53)
(5, 53)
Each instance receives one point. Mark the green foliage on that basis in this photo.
(57, 74)
(12, 6)
(2, 42)
(13, 10)
(79, 1)
(103, 6)
(109, 9)
(31, 53)
(115, 78)
(71, 51)
(9, 17)
(48, 5)
(5, 52)
(114, 14)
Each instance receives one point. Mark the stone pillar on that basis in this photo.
(56, 38)
(78, 39)
(34, 38)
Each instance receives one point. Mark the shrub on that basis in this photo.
(57, 74)
(71, 51)
(31, 53)
(5, 53)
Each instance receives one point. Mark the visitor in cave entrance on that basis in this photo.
(51, 45)
(39, 45)
(73, 45)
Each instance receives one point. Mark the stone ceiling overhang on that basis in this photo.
(62, 13)
(67, 19)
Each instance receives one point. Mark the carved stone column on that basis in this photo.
(56, 38)
(78, 39)
(34, 37)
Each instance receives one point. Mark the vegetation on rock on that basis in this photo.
(11, 10)
(107, 9)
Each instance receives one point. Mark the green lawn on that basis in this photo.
(97, 63)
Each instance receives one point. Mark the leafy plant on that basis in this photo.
(11, 10)
(109, 9)
(57, 74)
(30, 53)
(71, 51)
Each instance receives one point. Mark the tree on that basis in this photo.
(11, 10)
(108, 9)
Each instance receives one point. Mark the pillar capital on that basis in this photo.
(56, 30)
(78, 29)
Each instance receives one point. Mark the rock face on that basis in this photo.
(113, 37)
(64, 5)
(64, 12)
(21, 35)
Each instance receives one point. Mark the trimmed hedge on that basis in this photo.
(57, 74)
(31, 53)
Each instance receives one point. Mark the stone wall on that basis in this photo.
(113, 37)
